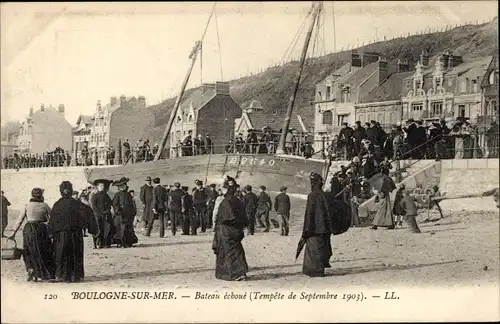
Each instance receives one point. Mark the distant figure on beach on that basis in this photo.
(494, 193)
(409, 208)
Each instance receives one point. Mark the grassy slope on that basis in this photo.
(273, 86)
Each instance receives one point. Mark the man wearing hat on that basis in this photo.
(398, 210)
(102, 204)
(264, 205)
(212, 196)
(282, 207)
(250, 201)
(175, 205)
(188, 213)
(159, 207)
(359, 134)
(200, 199)
(124, 213)
(346, 137)
(146, 196)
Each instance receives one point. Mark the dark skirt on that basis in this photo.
(37, 254)
(230, 262)
(318, 251)
(125, 234)
(68, 251)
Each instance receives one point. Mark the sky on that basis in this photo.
(76, 54)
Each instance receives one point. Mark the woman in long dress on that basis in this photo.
(124, 213)
(383, 217)
(230, 221)
(66, 224)
(317, 230)
(37, 245)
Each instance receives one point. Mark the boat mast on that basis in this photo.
(192, 56)
(315, 10)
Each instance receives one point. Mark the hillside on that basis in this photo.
(273, 86)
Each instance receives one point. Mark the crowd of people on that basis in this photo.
(56, 158)
(416, 140)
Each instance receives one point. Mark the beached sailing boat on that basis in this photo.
(270, 170)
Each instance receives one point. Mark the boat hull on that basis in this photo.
(271, 171)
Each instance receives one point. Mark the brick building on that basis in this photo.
(124, 117)
(210, 109)
(489, 86)
(44, 130)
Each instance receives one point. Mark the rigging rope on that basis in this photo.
(218, 43)
(294, 39)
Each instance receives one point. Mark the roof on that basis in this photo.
(254, 104)
(198, 98)
(360, 75)
(467, 66)
(261, 119)
(87, 119)
(389, 90)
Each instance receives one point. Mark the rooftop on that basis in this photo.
(389, 90)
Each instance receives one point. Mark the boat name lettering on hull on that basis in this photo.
(250, 161)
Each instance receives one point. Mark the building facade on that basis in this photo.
(210, 109)
(45, 130)
(449, 88)
(489, 86)
(122, 118)
(81, 135)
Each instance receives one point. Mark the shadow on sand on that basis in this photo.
(146, 245)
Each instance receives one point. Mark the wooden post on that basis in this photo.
(315, 9)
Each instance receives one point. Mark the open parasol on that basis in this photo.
(300, 247)
(382, 183)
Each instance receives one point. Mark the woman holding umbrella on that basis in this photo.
(101, 204)
(384, 185)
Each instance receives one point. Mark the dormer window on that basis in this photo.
(179, 119)
(474, 86)
(438, 83)
(190, 119)
(328, 92)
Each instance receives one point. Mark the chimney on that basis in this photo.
(424, 58)
(355, 59)
(113, 101)
(445, 58)
(31, 111)
(61, 109)
(403, 66)
(122, 100)
(222, 88)
(367, 58)
(141, 102)
(383, 71)
(454, 60)
(98, 106)
(42, 107)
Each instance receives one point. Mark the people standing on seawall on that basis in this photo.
(124, 213)
(66, 224)
(146, 196)
(231, 264)
(37, 245)
(282, 207)
(317, 230)
(102, 204)
(5, 213)
(250, 202)
(264, 205)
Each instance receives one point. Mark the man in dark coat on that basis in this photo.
(189, 220)
(102, 204)
(159, 208)
(146, 196)
(175, 205)
(372, 133)
(359, 134)
(346, 138)
(212, 196)
(264, 205)
(282, 207)
(124, 213)
(200, 199)
(209, 147)
(421, 138)
(316, 230)
(250, 201)
(412, 138)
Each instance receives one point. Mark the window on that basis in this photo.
(328, 92)
(474, 86)
(462, 86)
(320, 95)
(437, 108)
(461, 110)
(178, 119)
(341, 119)
(438, 83)
(346, 95)
(327, 118)
(190, 119)
(416, 107)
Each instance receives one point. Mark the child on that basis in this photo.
(410, 211)
(397, 210)
(282, 207)
(430, 194)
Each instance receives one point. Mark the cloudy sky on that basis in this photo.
(79, 53)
